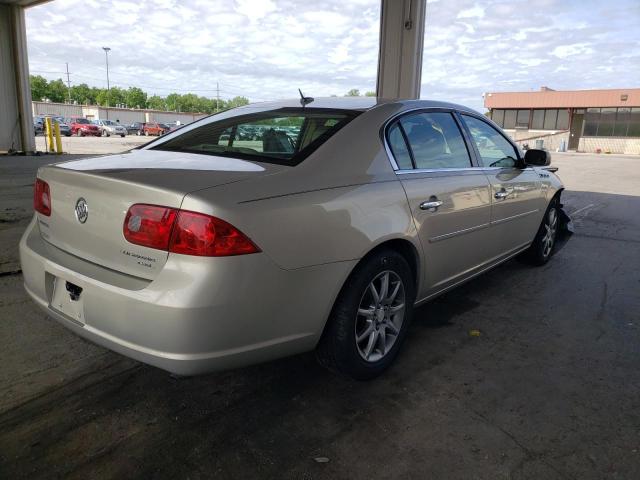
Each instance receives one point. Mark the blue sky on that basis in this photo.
(266, 49)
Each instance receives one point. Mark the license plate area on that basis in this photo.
(67, 299)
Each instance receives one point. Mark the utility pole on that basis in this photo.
(217, 95)
(106, 54)
(68, 82)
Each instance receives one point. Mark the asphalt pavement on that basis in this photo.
(549, 389)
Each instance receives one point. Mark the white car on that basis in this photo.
(109, 127)
(202, 251)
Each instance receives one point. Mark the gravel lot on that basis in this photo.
(95, 145)
(549, 390)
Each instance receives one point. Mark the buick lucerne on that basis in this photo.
(210, 248)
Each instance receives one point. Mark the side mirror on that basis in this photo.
(538, 158)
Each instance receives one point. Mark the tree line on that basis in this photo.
(132, 97)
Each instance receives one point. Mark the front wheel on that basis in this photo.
(543, 244)
(370, 318)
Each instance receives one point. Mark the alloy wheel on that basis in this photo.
(551, 228)
(380, 316)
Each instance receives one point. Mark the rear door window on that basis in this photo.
(284, 136)
(435, 141)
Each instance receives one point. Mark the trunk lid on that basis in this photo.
(110, 185)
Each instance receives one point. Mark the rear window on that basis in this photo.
(285, 136)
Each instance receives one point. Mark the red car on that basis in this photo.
(153, 128)
(82, 126)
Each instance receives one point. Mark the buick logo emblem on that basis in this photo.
(82, 210)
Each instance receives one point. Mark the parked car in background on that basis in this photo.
(234, 252)
(39, 125)
(174, 126)
(154, 128)
(81, 127)
(65, 129)
(109, 127)
(135, 128)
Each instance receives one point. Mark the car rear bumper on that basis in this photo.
(198, 315)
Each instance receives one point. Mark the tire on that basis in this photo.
(79, 133)
(146, 133)
(122, 135)
(138, 133)
(357, 313)
(542, 248)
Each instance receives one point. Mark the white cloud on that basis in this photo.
(475, 12)
(266, 49)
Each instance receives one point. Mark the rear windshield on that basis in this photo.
(285, 136)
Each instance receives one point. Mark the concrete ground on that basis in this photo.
(95, 145)
(550, 389)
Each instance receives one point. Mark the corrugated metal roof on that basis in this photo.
(547, 98)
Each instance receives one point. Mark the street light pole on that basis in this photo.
(106, 55)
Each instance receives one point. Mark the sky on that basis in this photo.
(267, 49)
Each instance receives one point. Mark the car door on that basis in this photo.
(515, 189)
(447, 193)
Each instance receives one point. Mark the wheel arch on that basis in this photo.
(404, 247)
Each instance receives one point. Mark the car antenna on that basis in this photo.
(304, 100)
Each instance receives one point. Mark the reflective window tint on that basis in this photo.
(550, 117)
(591, 122)
(522, 119)
(498, 117)
(537, 123)
(607, 122)
(435, 141)
(634, 123)
(510, 118)
(622, 122)
(399, 148)
(563, 119)
(494, 149)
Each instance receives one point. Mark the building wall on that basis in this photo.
(610, 145)
(551, 140)
(123, 115)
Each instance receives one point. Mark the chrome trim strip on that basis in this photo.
(513, 217)
(459, 232)
(438, 170)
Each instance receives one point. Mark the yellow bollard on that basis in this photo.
(58, 139)
(49, 133)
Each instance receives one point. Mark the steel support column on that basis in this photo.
(401, 43)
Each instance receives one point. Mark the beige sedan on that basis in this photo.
(210, 248)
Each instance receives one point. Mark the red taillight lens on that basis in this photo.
(42, 198)
(207, 236)
(184, 232)
(149, 225)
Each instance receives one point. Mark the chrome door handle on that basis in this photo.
(500, 194)
(431, 205)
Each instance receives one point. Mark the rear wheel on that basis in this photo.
(370, 318)
(543, 245)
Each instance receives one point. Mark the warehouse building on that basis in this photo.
(605, 121)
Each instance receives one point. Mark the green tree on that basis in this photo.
(39, 86)
(57, 91)
(237, 102)
(156, 103)
(354, 92)
(370, 94)
(135, 98)
(83, 94)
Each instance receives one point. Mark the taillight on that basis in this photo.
(184, 232)
(149, 225)
(42, 198)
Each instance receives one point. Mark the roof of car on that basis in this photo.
(355, 103)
